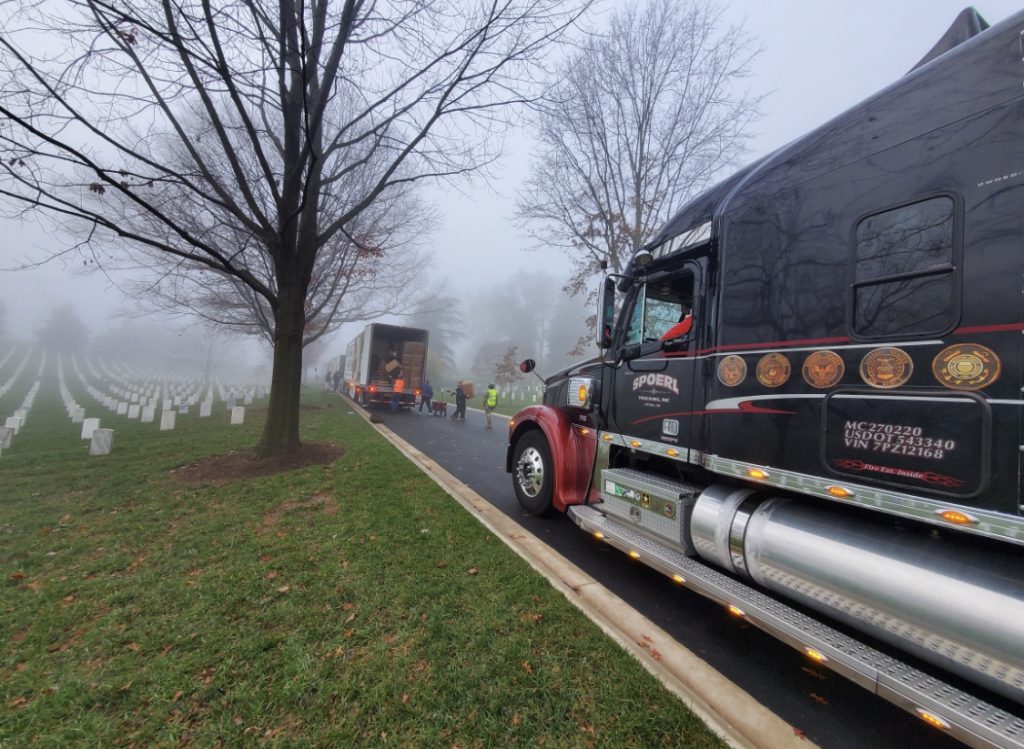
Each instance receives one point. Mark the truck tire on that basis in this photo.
(533, 473)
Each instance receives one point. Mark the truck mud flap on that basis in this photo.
(963, 716)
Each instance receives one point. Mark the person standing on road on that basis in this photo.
(398, 386)
(460, 402)
(490, 401)
(427, 397)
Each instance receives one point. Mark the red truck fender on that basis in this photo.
(573, 448)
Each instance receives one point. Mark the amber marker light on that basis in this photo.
(581, 393)
(736, 611)
(607, 437)
(635, 443)
(672, 452)
(634, 554)
(816, 655)
(839, 492)
(757, 473)
(933, 720)
(584, 431)
(956, 517)
(679, 579)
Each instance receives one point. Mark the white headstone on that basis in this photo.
(133, 411)
(238, 414)
(122, 408)
(88, 427)
(102, 442)
(148, 413)
(14, 423)
(77, 414)
(6, 435)
(22, 414)
(167, 420)
(204, 409)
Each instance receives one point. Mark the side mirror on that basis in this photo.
(527, 365)
(606, 314)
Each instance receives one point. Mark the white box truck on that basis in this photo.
(384, 358)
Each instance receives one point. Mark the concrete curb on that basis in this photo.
(734, 715)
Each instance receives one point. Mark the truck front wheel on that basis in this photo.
(533, 473)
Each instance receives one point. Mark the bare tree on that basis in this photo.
(643, 118)
(303, 100)
(363, 273)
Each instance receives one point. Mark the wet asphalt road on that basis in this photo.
(831, 711)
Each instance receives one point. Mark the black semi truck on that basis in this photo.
(833, 450)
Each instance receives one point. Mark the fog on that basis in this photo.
(818, 60)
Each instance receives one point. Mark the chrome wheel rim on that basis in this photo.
(530, 471)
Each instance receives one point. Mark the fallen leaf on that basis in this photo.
(655, 654)
(17, 702)
(424, 617)
(65, 519)
(351, 617)
(21, 666)
(373, 538)
(517, 719)
(818, 698)
(194, 572)
(177, 696)
(527, 667)
(265, 558)
(344, 564)
(237, 720)
(271, 575)
(347, 606)
(16, 577)
(284, 589)
(474, 570)
(166, 649)
(441, 564)
(68, 599)
(34, 585)
(133, 646)
(405, 698)
(535, 618)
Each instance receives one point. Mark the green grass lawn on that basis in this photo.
(347, 605)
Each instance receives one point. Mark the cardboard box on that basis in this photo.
(391, 366)
(467, 388)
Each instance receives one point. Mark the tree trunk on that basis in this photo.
(281, 430)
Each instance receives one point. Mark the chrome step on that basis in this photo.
(967, 718)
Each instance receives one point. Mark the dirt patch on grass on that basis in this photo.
(320, 499)
(234, 466)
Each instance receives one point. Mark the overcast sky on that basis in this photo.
(820, 57)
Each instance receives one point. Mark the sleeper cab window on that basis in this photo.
(904, 270)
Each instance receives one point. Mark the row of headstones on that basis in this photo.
(14, 423)
(182, 395)
(5, 388)
(102, 439)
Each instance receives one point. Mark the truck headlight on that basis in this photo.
(580, 393)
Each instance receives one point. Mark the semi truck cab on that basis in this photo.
(839, 430)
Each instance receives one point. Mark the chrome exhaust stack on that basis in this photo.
(959, 607)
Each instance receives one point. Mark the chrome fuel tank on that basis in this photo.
(958, 605)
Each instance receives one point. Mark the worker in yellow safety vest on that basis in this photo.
(490, 401)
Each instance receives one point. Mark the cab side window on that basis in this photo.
(661, 304)
(904, 270)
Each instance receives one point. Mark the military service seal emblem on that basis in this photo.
(773, 370)
(823, 369)
(966, 366)
(886, 367)
(732, 370)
